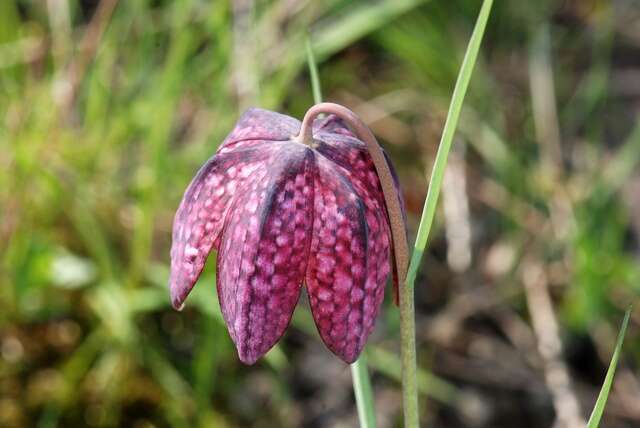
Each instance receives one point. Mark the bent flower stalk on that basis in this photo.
(286, 203)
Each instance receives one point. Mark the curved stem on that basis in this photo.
(392, 201)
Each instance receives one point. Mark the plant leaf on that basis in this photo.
(598, 409)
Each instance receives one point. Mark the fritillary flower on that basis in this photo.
(286, 204)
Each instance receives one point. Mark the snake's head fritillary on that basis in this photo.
(282, 214)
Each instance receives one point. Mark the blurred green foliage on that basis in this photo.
(108, 108)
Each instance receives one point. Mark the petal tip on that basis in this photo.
(350, 354)
(248, 360)
(349, 360)
(247, 355)
(177, 298)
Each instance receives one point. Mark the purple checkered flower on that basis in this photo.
(282, 213)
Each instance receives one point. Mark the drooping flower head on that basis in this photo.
(286, 207)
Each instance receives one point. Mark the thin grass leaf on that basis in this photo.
(598, 409)
(313, 73)
(407, 310)
(364, 393)
(446, 140)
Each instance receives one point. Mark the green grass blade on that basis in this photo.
(598, 409)
(359, 373)
(364, 393)
(313, 73)
(446, 140)
(407, 310)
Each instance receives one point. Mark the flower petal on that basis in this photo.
(348, 262)
(263, 253)
(340, 145)
(257, 126)
(198, 222)
(344, 149)
(332, 124)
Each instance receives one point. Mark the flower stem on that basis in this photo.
(407, 316)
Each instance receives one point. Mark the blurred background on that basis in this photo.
(108, 108)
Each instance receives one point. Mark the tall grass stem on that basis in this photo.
(407, 311)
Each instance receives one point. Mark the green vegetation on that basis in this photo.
(598, 409)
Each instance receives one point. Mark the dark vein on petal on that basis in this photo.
(315, 173)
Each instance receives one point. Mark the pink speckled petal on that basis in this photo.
(263, 253)
(257, 126)
(348, 262)
(338, 144)
(332, 124)
(198, 222)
